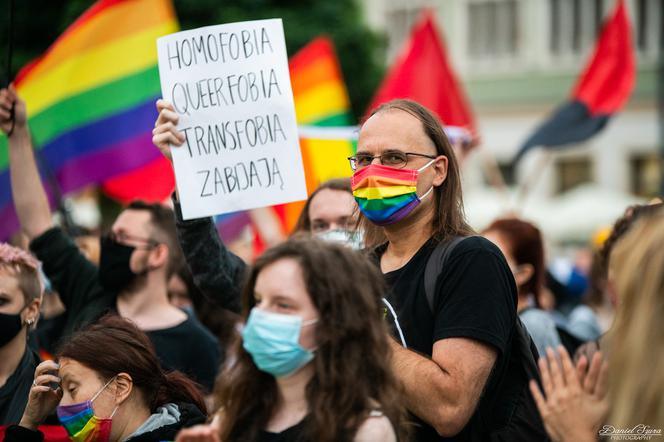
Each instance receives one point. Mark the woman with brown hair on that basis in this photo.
(313, 361)
(108, 386)
(522, 244)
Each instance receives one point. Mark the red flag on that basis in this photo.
(602, 90)
(608, 80)
(422, 73)
(152, 183)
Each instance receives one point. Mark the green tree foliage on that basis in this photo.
(37, 24)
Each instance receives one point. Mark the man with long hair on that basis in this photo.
(457, 354)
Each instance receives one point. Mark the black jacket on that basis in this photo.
(218, 273)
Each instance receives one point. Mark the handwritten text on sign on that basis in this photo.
(230, 86)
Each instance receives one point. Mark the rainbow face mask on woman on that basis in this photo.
(81, 423)
(385, 194)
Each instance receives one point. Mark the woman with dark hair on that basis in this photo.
(521, 243)
(313, 361)
(108, 386)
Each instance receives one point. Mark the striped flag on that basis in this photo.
(90, 98)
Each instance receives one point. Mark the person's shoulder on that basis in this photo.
(52, 238)
(190, 414)
(476, 246)
(195, 328)
(476, 243)
(536, 315)
(376, 428)
(538, 321)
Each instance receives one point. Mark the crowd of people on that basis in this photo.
(384, 317)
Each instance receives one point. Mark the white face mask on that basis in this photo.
(352, 239)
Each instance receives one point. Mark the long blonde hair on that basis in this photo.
(636, 361)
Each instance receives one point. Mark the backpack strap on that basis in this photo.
(435, 265)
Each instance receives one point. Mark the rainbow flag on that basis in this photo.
(321, 100)
(91, 97)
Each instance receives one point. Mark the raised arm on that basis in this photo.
(218, 273)
(28, 193)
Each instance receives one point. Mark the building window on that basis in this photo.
(493, 28)
(649, 20)
(646, 174)
(572, 172)
(508, 172)
(574, 24)
(399, 25)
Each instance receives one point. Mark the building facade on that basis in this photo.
(518, 60)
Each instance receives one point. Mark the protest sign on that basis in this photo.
(230, 87)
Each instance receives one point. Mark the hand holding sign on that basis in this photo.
(165, 133)
(230, 106)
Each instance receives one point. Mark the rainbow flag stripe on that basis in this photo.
(321, 99)
(91, 97)
(385, 194)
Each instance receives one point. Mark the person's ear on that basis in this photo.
(30, 313)
(523, 274)
(159, 256)
(440, 169)
(124, 384)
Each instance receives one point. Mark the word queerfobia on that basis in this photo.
(225, 91)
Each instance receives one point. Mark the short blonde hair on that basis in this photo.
(25, 268)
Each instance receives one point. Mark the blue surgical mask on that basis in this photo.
(272, 340)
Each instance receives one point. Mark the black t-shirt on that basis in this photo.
(475, 298)
(190, 348)
(14, 394)
(290, 434)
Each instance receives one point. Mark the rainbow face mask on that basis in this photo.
(81, 423)
(387, 195)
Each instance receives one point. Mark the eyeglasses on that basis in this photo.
(393, 158)
(126, 239)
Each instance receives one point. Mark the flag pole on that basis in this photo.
(532, 179)
(494, 175)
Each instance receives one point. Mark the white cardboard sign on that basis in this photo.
(231, 88)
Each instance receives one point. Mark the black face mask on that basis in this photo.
(10, 326)
(114, 271)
